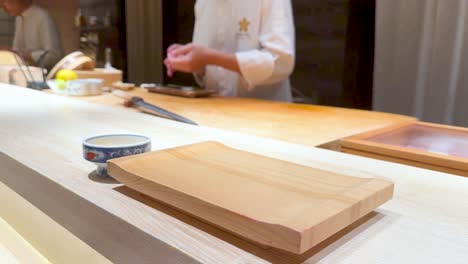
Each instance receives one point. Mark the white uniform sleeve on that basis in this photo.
(274, 61)
(51, 43)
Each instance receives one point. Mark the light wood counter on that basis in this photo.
(41, 160)
(301, 124)
(33, 237)
(15, 249)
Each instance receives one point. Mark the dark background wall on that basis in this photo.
(95, 39)
(321, 43)
(7, 29)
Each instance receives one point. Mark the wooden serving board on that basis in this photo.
(271, 202)
(109, 77)
(430, 146)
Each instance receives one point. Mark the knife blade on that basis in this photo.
(140, 102)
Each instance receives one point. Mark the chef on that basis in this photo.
(36, 36)
(242, 48)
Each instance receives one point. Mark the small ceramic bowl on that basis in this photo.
(100, 149)
(85, 87)
(55, 87)
(80, 87)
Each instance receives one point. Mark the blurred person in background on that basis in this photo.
(36, 36)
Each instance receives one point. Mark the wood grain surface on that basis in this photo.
(41, 160)
(268, 201)
(309, 125)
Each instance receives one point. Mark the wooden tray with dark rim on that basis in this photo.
(181, 92)
(425, 145)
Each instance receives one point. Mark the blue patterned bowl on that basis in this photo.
(100, 149)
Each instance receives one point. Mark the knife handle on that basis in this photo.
(122, 94)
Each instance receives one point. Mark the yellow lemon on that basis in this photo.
(66, 75)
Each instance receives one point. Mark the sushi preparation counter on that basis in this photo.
(307, 125)
(41, 161)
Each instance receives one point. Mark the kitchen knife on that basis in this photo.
(138, 101)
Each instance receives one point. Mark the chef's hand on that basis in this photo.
(188, 58)
(192, 58)
(170, 70)
(173, 47)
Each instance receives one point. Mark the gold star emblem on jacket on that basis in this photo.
(244, 25)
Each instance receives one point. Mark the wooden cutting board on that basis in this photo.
(271, 202)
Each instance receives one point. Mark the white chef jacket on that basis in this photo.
(35, 31)
(261, 34)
